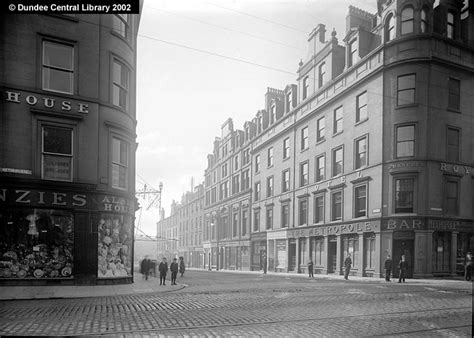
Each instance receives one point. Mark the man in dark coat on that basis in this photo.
(182, 266)
(145, 267)
(174, 271)
(468, 267)
(403, 265)
(163, 268)
(347, 266)
(388, 268)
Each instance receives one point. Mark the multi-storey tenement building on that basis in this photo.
(226, 241)
(371, 153)
(167, 234)
(67, 148)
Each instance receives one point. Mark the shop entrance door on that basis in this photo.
(292, 255)
(403, 247)
(332, 256)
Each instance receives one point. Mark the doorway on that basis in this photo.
(332, 255)
(403, 247)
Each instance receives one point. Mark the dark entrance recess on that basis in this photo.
(332, 255)
(403, 247)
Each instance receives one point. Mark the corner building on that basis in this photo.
(67, 148)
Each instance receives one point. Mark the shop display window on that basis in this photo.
(115, 246)
(36, 244)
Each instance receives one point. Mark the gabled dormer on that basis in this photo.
(290, 98)
(274, 103)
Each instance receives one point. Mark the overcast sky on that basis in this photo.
(201, 62)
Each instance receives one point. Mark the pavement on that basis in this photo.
(141, 286)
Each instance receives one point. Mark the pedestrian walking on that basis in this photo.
(310, 268)
(388, 268)
(174, 271)
(347, 266)
(145, 267)
(468, 267)
(163, 268)
(403, 266)
(182, 266)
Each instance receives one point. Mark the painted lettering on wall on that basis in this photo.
(115, 204)
(42, 198)
(336, 229)
(47, 102)
(456, 169)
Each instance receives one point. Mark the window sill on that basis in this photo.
(338, 133)
(361, 121)
(322, 140)
(453, 110)
(270, 166)
(407, 105)
(286, 158)
(303, 150)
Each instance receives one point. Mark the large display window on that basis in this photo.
(36, 244)
(115, 246)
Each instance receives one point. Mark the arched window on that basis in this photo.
(424, 20)
(322, 74)
(450, 25)
(305, 87)
(390, 28)
(407, 21)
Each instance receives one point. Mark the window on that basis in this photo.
(285, 184)
(321, 129)
(361, 111)
(407, 20)
(120, 155)
(257, 191)
(322, 74)
(370, 251)
(338, 120)
(270, 186)
(360, 201)
(257, 163)
(337, 161)
(120, 25)
(236, 162)
(236, 184)
(121, 76)
(454, 96)
(450, 25)
(286, 148)
(269, 221)
(452, 191)
(245, 157)
(244, 222)
(319, 209)
(424, 20)
(404, 195)
(58, 67)
(350, 244)
(452, 150)
(245, 180)
(285, 215)
(320, 168)
(288, 101)
(318, 245)
(304, 179)
(304, 138)
(406, 89)
(270, 157)
(57, 153)
(305, 87)
(361, 152)
(256, 220)
(303, 211)
(352, 53)
(405, 141)
(224, 170)
(272, 112)
(390, 28)
(235, 224)
(336, 206)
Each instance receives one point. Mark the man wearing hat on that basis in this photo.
(163, 268)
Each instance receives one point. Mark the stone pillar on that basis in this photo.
(379, 269)
(287, 255)
(324, 257)
(297, 267)
(339, 258)
(360, 263)
(454, 252)
(275, 252)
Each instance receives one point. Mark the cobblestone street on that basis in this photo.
(250, 304)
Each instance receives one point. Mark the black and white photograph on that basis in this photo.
(236, 168)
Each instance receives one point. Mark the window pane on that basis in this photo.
(405, 133)
(57, 167)
(57, 80)
(406, 82)
(57, 140)
(58, 56)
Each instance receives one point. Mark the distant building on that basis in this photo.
(67, 148)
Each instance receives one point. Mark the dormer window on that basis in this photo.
(259, 124)
(288, 101)
(407, 20)
(450, 25)
(305, 87)
(322, 74)
(390, 28)
(352, 52)
(424, 20)
(273, 112)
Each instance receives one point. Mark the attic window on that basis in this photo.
(407, 20)
(390, 28)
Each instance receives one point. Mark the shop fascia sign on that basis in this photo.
(46, 102)
(337, 229)
(401, 224)
(39, 198)
(117, 204)
(456, 169)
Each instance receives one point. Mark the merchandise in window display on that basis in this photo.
(36, 243)
(114, 251)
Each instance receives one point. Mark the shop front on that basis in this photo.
(64, 234)
(258, 243)
(432, 246)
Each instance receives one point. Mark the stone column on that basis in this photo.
(379, 270)
(275, 252)
(325, 256)
(338, 256)
(287, 255)
(454, 252)
(297, 267)
(360, 263)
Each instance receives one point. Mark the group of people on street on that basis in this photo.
(402, 266)
(174, 267)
